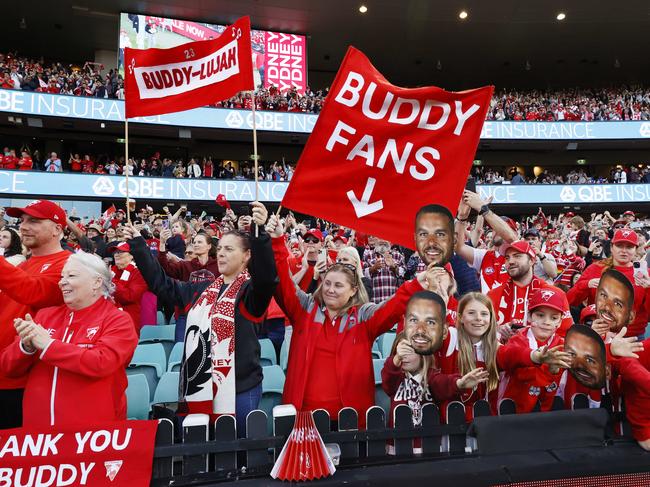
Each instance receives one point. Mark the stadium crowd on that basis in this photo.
(208, 167)
(486, 307)
(618, 103)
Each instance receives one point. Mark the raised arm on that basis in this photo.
(290, 298)
(163, 286)
(264, 276)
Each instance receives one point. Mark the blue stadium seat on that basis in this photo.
(387, 340)
(175, 358)
(137, 397)
(273, 380)
(150, 354)
(284, 354)
(167, 390)
(377, 365)
(150, 360)
(160, 316)
(163, 334)
(160, 332)
(376, 351)
(267, 353)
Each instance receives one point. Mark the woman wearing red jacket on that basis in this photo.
(205, 252)
(74, 355)
(623, 250)
(330, 359)
(129, 284)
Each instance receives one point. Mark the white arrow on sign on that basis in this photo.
(363, 207)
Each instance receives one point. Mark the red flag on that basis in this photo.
(109, 212)
(378, 152)
(191, 75)
(222, 201)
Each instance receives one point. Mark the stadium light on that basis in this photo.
(463, 14)
(561, 16)
(363, 9)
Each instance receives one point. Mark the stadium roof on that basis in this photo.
(412, 42)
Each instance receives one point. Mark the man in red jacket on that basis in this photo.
(510, 300)
(29, 287)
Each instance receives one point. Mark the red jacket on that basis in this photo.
(80, 378)
(635, 386)
(181, 269)
(581, 292)
(357, 331)
(526, 385)
(129, 289)
(26, 288)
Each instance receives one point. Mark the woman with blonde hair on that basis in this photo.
(330, 359)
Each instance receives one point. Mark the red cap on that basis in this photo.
(121, 247)
(569, 214)
(523, 247)
(314, 232)
(587, 312)
(43, 209)
(295, 245)
(626, 235)
(222, 201)
(341, 238)
(629, 212)
(550, 297)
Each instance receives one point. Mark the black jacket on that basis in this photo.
(255, 296)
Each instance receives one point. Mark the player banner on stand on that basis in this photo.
(116, 454)
(378, 152)
(188, 76)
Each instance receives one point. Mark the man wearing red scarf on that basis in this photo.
(510, 300)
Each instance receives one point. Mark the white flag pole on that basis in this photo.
(126, 167)
(255, 157)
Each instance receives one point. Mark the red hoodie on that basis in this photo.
(581, 292)
(80, 378)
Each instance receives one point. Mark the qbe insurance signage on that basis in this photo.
(36, 183)
(565, 194)
(106, 110)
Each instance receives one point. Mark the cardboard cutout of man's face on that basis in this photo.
(588, 359)
(614, 303)
(424, 326)
(434, 238)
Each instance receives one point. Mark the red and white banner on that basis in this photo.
(192, 75)
(114, 454)
(378, 152)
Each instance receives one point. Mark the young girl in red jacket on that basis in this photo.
(526, 385)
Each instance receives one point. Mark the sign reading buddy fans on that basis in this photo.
(189, 76)
(378, 152)
(115, 454)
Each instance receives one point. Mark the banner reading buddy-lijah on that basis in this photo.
(378, 152)
(196, 74)
(112, 454)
